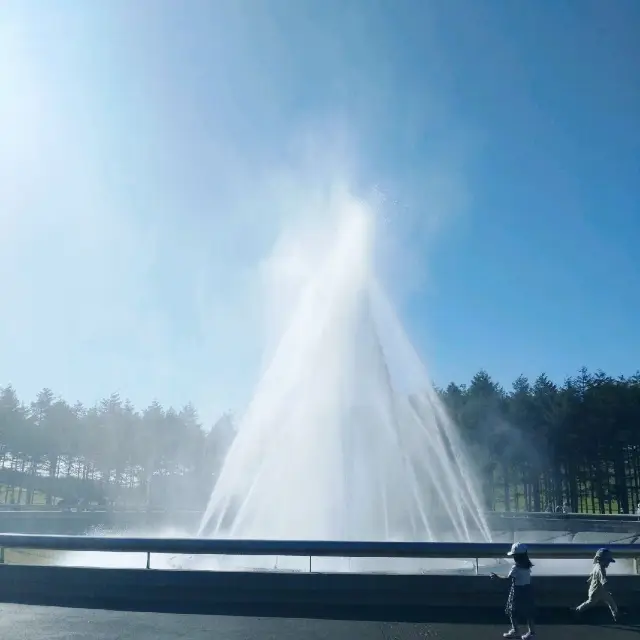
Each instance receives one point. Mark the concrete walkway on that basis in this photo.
(19, 622)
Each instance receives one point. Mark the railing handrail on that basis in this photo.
(312, 548)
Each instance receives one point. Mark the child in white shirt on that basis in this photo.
(598, 592)
(520, 603)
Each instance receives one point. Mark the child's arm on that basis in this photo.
(602, 577)
(495, 576)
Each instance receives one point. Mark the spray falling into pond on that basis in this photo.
(345, 438)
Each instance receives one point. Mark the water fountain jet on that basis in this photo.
(345, 438)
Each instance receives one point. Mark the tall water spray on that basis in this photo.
(345, 438)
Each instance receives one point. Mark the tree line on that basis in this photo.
(536, 445)
(50, 449)
(540, 445)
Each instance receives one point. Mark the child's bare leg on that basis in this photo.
(607, 598)
(587, 604)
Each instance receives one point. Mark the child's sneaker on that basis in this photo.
(512, 633)
(529, 635)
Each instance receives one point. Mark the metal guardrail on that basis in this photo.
(304, 548)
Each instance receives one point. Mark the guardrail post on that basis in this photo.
(1, 555)
(477, 566)
(148, 559)
(636, 566)
(309, 564)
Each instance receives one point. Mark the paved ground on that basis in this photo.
(19, 622)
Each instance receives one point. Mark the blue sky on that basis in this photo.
(151, 152)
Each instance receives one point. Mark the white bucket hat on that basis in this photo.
(517, 548)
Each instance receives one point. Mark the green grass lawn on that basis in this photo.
(521, 506)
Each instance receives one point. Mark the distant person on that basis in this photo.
(520, 604)
(638, 509)
(558, 509)
(565, 509)
(598, 592)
